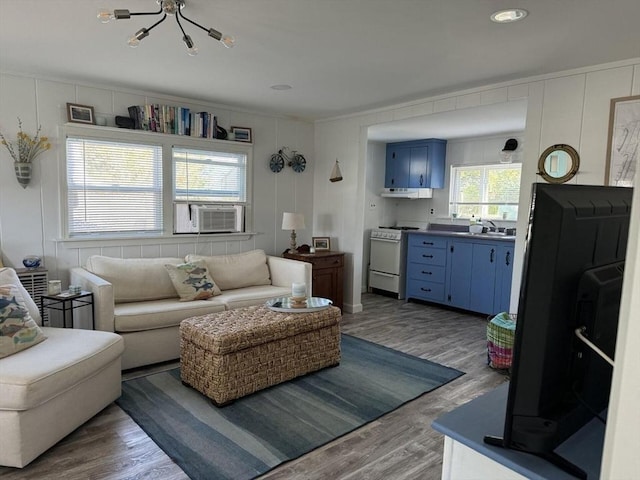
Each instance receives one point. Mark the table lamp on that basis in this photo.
(293, 222)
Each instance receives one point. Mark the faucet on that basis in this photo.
(493, 227)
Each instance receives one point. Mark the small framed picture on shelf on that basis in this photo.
(321, 243)
(80, 114)
(242, 134)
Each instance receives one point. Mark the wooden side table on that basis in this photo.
(327, 273)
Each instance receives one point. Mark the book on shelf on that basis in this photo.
(174, 120)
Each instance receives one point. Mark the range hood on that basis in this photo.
(407, 192)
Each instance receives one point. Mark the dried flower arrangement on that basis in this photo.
(27, 147)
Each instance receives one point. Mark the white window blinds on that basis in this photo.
(208, 176)
(113, 188)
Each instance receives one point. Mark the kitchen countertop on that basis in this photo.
(480, 236)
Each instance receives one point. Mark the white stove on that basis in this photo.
(387, 259)
(386, 233)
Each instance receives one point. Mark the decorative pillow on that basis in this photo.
(192, 281)
(237, 270)
(18, 330)
(8, 276)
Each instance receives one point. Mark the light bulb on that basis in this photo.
(192, 50)
(506, 156)
(228, 41)
(134, 41)
(105, 15)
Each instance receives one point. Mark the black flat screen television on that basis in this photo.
(572, 279)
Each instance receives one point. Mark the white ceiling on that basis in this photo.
(340, 56)
(471, 122)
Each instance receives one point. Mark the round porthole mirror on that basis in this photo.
(558, 163)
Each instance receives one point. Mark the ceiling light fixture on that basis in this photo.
(167, 7)
(508, 16)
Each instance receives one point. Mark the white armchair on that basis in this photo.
(40, 386)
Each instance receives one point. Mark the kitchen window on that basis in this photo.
(488, 192)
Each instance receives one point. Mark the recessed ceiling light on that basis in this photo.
(510, 15)
(281, 86)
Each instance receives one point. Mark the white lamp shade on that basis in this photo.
(292, 221)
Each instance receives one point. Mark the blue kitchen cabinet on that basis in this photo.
(397, 167)
(504, 274)
(426, 267)
(419, 167)
(483, 277)
(472, 275)
(436, 164)
(463, 272)
(460, 256)
(415, 164)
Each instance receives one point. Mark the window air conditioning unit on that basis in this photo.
(191, 218)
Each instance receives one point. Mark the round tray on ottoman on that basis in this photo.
(288, 304)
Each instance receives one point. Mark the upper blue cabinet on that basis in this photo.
(415, 164)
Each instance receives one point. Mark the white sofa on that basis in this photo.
(51, 388)
(137, 299)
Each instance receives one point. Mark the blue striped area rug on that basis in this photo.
(256, 433)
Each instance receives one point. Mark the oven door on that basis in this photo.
(385, 255)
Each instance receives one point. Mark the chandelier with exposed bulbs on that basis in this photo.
(167, 7)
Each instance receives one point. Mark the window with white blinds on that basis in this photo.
(209, 176)
(489, 192)
(113, 188)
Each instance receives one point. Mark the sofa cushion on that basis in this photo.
(9, 276)
(192, 281)
(154, 314)
(135, 279)
(237, 270)
(32, 377)
(18, 331)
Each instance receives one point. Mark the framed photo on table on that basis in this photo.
(321, 243)
(623, 144)
(80, 114)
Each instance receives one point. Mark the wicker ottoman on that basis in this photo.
(229, 354)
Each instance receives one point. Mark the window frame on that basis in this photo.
(174, 187)
(453, 190)
(167, 143)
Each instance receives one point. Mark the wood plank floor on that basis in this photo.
(401, 445)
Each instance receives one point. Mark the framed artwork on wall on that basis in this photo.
(80, 114)
(321, 243)
(242, 134)
(623, 144)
